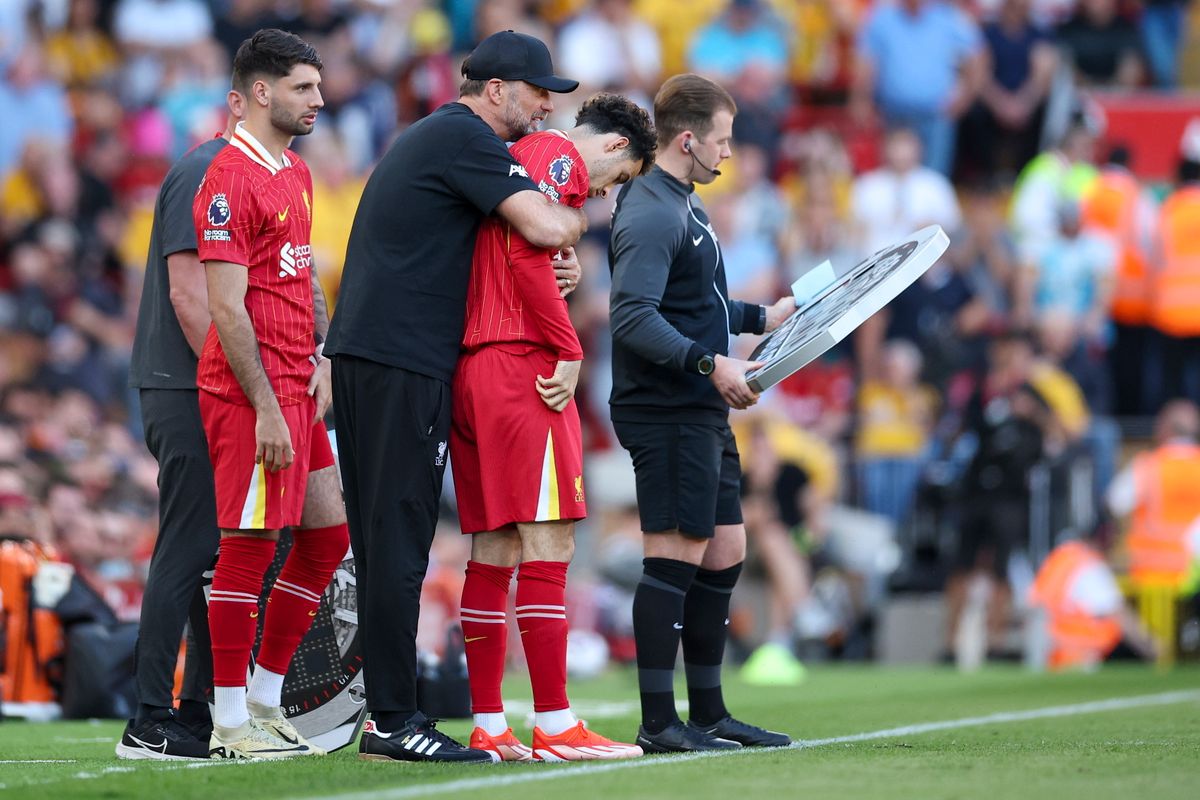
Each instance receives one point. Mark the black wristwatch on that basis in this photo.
(706, 364)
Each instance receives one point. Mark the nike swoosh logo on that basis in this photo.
(696, 242)
(160, 747)
(283, 214)
(677, 626)
(288, 739)
(470, 639)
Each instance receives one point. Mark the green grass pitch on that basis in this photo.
(860, 729)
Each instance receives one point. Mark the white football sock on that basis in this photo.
(492, 724)
(231, 706)
(555, 722)
(266, 687)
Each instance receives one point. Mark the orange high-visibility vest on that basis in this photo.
(1168, 502)
(1111, 205)
(1175, 287)
(1077, 638)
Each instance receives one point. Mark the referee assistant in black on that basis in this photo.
(673, 384)
(172, 323)
(394, 343)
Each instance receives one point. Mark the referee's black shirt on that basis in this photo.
(403, 295)
(669, 304)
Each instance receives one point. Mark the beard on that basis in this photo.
(290, 125)
(516, 121)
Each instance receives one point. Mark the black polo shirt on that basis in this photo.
(403, 296)
(162, 357)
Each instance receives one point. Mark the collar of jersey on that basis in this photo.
(666, 178)
(254, 150)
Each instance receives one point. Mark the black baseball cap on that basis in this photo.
(512, 56)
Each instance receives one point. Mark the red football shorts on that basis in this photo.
(514, 460)
(249, 496)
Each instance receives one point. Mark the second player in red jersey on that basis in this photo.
(515, 438)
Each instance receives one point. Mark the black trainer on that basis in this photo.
(418, 740)
(679, 738)
(743, 733)
(161, 737)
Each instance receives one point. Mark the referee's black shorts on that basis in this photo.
(688, 475)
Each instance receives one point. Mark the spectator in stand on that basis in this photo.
(747, 33)
(984, 251)
(819, 234)
(81, 53)
(1163, 25)
(902, 195)
(1071, 272)
(1001, 131)
(607, 47)
(895, 418)
(33, 106)
(921, 65)
(1102, 46)
(751, 258)
(1064, 172)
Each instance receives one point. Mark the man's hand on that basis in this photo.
(729, 376)
(273, 442)
(567, 271)
(779, 311)
(559, 388)
(320, 386)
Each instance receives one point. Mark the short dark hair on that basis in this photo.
(612, 113)
(688, 103)
(272, 53)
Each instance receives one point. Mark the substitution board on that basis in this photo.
(841, 301)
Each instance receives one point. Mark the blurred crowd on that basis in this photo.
(860, 121)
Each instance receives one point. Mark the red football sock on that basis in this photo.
(485, 634)
(233, 606)
(315, 554)
(542, 620)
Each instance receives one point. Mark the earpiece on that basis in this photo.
(687, 145)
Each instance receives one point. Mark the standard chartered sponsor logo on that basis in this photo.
(293, 259)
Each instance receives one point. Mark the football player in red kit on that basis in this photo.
(515, 438)
(264, 389)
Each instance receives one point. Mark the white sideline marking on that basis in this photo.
(590, 768)
(37, 761)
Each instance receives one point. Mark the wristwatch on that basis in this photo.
(706, 364)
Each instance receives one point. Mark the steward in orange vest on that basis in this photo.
(1083, 606)
(1175, 284)
(1116, 204)
(1161, 490)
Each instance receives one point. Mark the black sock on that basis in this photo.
(194, 712)
(705, 619)
(147, 712)
(657, 622)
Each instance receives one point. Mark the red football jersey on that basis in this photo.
(253, 211)
(513, 296)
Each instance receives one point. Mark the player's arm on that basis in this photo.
(189, 297)
(533, 275)
(541, 221)
(227, 303)
(644, 243)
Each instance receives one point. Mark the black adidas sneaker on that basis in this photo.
(418, 740)
(743, 733)
(161, 737)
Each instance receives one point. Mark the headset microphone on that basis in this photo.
(687, 145)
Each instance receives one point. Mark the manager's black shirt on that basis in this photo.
(669, 304)
(162, 357)
(403, 295)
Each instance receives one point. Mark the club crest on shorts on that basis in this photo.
(560, 170)
(578, 488)
(440, 459)
(218, 210)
